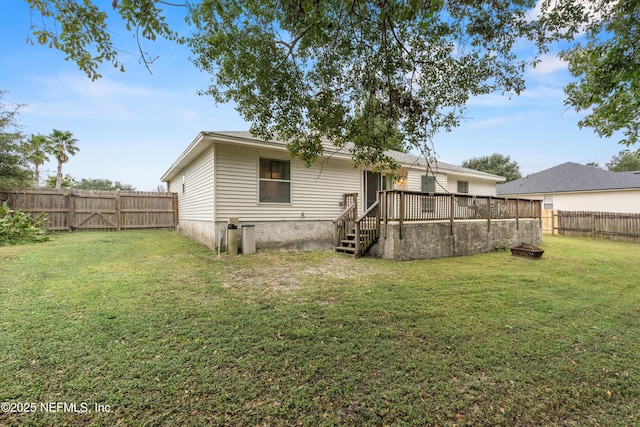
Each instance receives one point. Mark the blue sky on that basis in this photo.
(131, 126)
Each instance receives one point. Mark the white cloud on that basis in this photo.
(491, 100)
(489, 123)
(549, 64)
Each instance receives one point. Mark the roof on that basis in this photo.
(571, 177)
(204, 139)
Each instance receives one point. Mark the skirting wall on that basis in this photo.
(420, 240)
(300, 235)
(433, 239)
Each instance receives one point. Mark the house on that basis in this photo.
(223, 175)
(575, 187)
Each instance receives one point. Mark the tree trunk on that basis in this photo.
(59, 176)
(36, 184)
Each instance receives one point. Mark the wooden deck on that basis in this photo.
(356, 234)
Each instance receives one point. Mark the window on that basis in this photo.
(463, 187)
(548, 202)
(428, 184)
(184, 179)
(275, 181)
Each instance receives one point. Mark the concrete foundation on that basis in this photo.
(420, 240)
(433, 239)
(203, 232)
(299, 235)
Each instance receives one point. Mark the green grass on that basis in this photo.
(165, 333)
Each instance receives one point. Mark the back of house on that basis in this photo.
(229, 176)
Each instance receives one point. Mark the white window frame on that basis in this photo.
(283, 180)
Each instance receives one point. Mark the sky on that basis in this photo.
(132, 126)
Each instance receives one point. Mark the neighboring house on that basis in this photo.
(224, 175)
(575, 187)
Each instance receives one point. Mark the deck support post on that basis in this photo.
(401, 219)
(452, 212)
(489, 214)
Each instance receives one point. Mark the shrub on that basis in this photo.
(500, 247)
(18, 227)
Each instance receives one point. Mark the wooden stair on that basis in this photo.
(348, 245)
(355, 235)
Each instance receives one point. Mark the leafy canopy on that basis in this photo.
(370, 73)
(101, 184)
(624, 161)
(606, 66)
(14, 171)
(353, 71)
(496, 164)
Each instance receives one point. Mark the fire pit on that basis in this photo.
(528, 251)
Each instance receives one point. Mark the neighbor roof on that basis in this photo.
(571, 177)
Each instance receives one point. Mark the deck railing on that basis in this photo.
(412, 206)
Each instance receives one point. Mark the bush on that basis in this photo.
(19, 227)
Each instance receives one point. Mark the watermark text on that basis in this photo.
(53, 407)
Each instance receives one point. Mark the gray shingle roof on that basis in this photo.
(569, 177)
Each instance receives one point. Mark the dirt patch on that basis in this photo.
(289, 272)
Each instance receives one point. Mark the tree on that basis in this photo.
(309, 71)
(306, 71)
(606, 66)
(593, 165)
(61, 145)
(496, 164)
(67, 181)
(13, 169)
(624, 161)
(102, 184)
(35, 152)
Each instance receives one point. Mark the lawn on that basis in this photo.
(149, 328)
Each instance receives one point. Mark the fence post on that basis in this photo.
(517, 214)
(118, 212)
(175, 210)
(72, 211)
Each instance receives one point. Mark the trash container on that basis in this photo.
(232, 239)
(248, 239)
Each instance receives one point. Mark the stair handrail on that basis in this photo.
(341, 231)
(363, 243)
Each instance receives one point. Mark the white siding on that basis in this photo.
(477, 187)
(316, 192)
(196, 203)
(415, 181)
(449, 183)
(622, 201)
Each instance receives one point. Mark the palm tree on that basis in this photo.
(35, 151)
(61, 145)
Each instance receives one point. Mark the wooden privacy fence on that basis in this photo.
(97, 210)
(605, 225)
